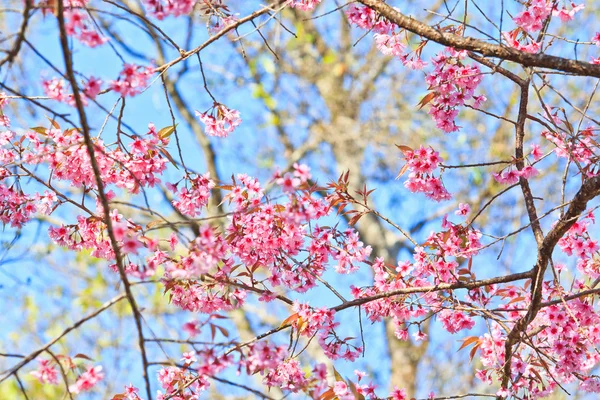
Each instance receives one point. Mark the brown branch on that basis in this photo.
(442, 286)
(70, 73)
(589, 190)
(479, 46)
(27, 359)
(219, 35)
(21, 35)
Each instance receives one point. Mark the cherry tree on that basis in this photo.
(309, 249)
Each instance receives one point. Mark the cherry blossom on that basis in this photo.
(221, 122)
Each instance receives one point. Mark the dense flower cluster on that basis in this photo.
(272, 237)
(453, 84)
(268, 244)
(578, 147)
(46, 372)
(388, 40)
(532, 19)
(164, 8)
(304, 5)
(79, 25)
(511, 176)
(191, 201)
(422, 164)
(55, 88)
(221, 121)
(132, 80)
(87, 380)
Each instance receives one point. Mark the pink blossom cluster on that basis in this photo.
(79, 25)
(273, 362)
(90, 233)
(422, 164)
(366, 18)
(311, 321)
(46, 372)
(132, 80)
(427, 269)
(56, 89)
(190, 201)
(4, 120)
(511, 176)
(454, 84)
(16, 208)
(390, 306)
(351, 253)
(517, 37)
(579, 147)
(455, 241)
(68, 159)
(187, 382)
(563, 331)
(170, 378)
(164, 8)
(222, 21)
(304, 5)
(455, 321)
(292, 181)
(388, 41)
(287, 375)
(265, 358)
(87, 380)
(532, 18)
(260, 235)
(567, 15)
(221, 121)
(86, 234)
(578, 242)
(262, 356)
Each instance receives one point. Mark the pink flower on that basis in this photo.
(507, 177)
(529, 172)
(567, 15)
(189, 358)
(390, 45)
(362, 16)
(536, 152)
(302, 171)
(304, 5)
(192, 328)
(92, 87)
(223, 123)
(87, 380)
(132, 80)
(164, 8)
(463, 209)
(80, 25)
(288, 183)
(191, 201)
(131, 245)
(399, 394)
(46, 373)
(131, 392)
(532, 19)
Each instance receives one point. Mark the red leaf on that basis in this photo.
(468, 341)
(428, 97)
(402, 171)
